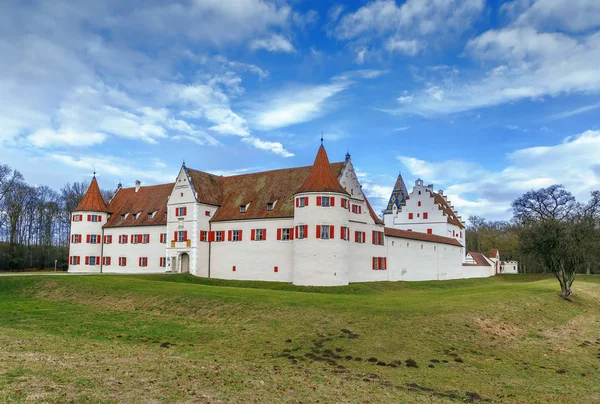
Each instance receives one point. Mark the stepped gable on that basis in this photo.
(92, 200)
(321, 177)
(414, 235)
(451, 216)
(150, 199)
(399, 196)
(259, 189)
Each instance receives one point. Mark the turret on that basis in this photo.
(321, 228)
(397, 201)
(85, 249)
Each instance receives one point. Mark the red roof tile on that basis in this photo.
(92, 200)
(151, 199)
(413, 235)
(493, 253)
(321, 177)
(209, 187)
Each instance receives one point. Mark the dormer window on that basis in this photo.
(136, 216)
(124, 216)
(243, 209)
(151, 215)
(270, 206)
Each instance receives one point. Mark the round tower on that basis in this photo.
(321, 231)
(85, 247)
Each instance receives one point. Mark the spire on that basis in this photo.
(92, 200)
(321, 178)
(321, 138)
(399, 195)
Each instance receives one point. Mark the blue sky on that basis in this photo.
(485, 100)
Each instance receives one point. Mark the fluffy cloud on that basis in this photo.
(476, 190)
(50, 138)
(273, 147)
(275, 43)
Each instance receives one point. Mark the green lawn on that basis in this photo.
(175, 338)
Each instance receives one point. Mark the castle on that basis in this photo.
(309, 225)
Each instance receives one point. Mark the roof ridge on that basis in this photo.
(257, 172)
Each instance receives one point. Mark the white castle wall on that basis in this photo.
(318, 261)
(253, 260)
(154, 250)
(84, 249)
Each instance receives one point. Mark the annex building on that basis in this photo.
(309, 225)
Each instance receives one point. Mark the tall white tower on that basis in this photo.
(85, 248)
(321, 228)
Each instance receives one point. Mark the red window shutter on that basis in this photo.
(410, 215)
(331, 232)
(72, 238)
(78, 260)
(429, 231)
(184, 210)
(291, 234)
(240, 237)
(87, 260)
(233, 268)
(73, 218)
(342, 232)
(148, 238)
(230, 235)
(318, 201)
(425, 215)
(97, 260)
(87, 238)
(384, 262)
(140, 261)
(356, 237)
(71, 260)
(318, 231)
(99, 218)
(264, 234)
(175, 236)
(140, 238)
(211, 236)
(374, 262)
(306, 201)
(332, 201)
(278, 234)
(89, 218)
(373, 237)
(276, 269)
(419, 203)
(297, 202)
(364, 237)
(380, 266)
(185, 235)
(305, 231)
(296, 231)
(253, 234)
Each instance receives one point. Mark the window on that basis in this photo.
(92, 260)
(356, 209)
(359, 236)
(419, 203)
(74, 260)
(140, 238)
(302, 231)
(75, 238)
(275, 269)
(146, 239)
(410, 215)
(429, 231)
(151, 215)
(163, 238)
(258, 234)
(235, 235)
(344, 203)
(136, 216)
(106, 261)
(379, 263)
(122, 261)
(325, 231)
(219, 236)
(93, 239)
(94, 218)
(377, 237)
(143, 261)
(163, 262)
(203, 235)
(302, 202)
(124, 216)
(243, 209)
(344, 233)
(108, 239)
(425, 215)
(123, 239)
(325, 201)
(181, 235)
(77, 218)
(284, 234)
(270, 206)
(182, 211)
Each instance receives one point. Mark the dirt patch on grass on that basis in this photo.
(498, 329)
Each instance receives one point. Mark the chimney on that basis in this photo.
(137, 186)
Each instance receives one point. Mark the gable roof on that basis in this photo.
(414, 235)
(92, 200)
(321, 177)
(258, 189)
(493, 253)
(147, 200)
(451, 217)
(479, 258)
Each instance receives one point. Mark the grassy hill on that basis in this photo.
(180, 338)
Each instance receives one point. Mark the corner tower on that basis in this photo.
(85, 248)
(321, 228)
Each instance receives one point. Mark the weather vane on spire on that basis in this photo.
(94, 171)
(321, 138)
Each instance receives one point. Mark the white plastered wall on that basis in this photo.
(154, 250)
(84, 249)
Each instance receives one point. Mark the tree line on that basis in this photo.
(35, 221)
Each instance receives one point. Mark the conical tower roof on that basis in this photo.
(399, 195)
(92, 200)
(321, 178)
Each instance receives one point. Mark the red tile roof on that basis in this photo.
(375, 218)
(413, 235)
(321, 177)
(479, 258)
(209, 187)
(493, 253)
(452, 218)
(151, 199)
(258, 189)
(92, 200)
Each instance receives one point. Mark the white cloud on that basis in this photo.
(409, 47)
(274, 43)
(273, 147)
(573, 112)
(516, 128)
(47, 138)
(572, 16)
(476, 190)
